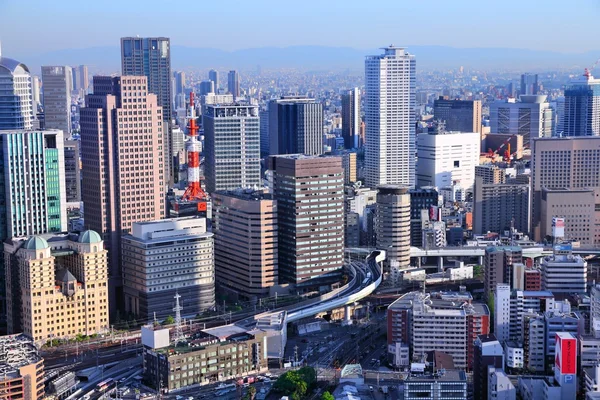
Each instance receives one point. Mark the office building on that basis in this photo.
(72, 171)
(531, 117)
(560, 322)
(233, 83)
(179, 77)
(57, 285)
(161, 358)
(213, 76)
(534, 341)
(390, 118)
(164, 258)
(426, 323)
(245, 227)
(357, 200)
(499, 385)
(151, 57)
(423, 202)
(352, 229)
(447, 384)
(81, 79)
(351, 118)
(488, 354)
(295, 126)
(582, 107)
(392, 224)
(458, 115)
(35, 91)
(529, 84)
(498, 207)
(563, 272)
(123, 171)
(577, 208)
(231, 146)
(310, 215)
(349, 165)
(569, 163)
(264, 133)
(57, 89)
(16, 109)
(22, 369)
(207, 87)
(498, 265)
(490, 174)
(595, 311)
(447, 158)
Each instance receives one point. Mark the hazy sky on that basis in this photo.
(28, 26)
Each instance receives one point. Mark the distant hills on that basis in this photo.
(107, 59)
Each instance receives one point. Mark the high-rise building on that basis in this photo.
(16, 105)
(72, 171)
(582, 107)
(421, 200)
(488, 352)
(207, 87)
(245, 226)
(164, 258)
(458, 115)
(151, 57)
(531, 117)
(179, 77)
(57, 285)
(231, 146)
(497, 207)
(569, 163)
(35, 92)
(264, 133)
(447, 158)
(349, 164)
(213, 76)
(564, 272)
(22, 368)
(576, 208)
(490, 174)
(57, 89)
(122, 165)
(81, 80)
(310, 216)
(295, 126)
(233, 83)
(351, 118)
(392, 226)
(390, 118)
(529, 84)
(498, 265)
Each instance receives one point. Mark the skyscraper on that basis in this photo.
(56, 81)
(351, 118)
(233, 83)
(207, 87)
(35, 91)
(529, 84)
(16, 108)
(498, 266)
(231, 146)
(531, 117)
(80, 78)
(390, 118)
(311, 225)
(179, 82)
(392, 226)
(122, 164)
(213, 75)
(497, 207)
(295, 126)
(264, 133)
(72, 172)
(151, 57)
(458, 115)
(582, 107)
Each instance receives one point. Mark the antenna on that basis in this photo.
(178, 329)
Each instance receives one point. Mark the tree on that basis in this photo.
(477, 271)
(327, 396)
(169, 320)
(251, 392)
(296, 384)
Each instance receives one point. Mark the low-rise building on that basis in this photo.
(499, 385)
(564, 272)
(443, 384)
(21, 369)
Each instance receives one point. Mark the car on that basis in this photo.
(371, 388)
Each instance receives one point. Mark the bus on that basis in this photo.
(102, 386)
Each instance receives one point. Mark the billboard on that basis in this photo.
(563, 247)
(558, 227)
(565, 359)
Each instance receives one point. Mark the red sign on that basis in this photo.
(566, 353)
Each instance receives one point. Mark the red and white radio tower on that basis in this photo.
(194, 190)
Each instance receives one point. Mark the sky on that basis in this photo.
(38, 26)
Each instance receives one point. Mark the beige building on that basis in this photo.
(497, 206)
(577, 207)
(57, 285)
(490, 174)
(569, 163)
(392, 224)
(349, 165)
(245, 226)
(21, 369)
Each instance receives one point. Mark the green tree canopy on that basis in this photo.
(327, 396)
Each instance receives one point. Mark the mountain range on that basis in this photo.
(107, 59)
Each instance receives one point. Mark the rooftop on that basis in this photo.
(16, 351)
(441, 376)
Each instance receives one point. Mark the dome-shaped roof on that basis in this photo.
(36, 243)
(13, 66)
(90, 237)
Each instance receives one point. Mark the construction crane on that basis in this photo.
(507, 154)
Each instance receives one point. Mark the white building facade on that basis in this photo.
(390, 85)
(531, 117)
